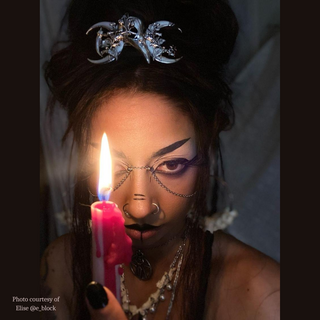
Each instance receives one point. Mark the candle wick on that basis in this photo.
(105, 193)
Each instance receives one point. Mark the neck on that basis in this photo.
(162, 251)
(165, 277)
(151, 263)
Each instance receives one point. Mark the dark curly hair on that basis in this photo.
(196, 84)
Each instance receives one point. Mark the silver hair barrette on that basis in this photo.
(130, 31)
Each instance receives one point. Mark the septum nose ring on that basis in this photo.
(129, 215)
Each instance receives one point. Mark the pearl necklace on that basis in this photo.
(151, 304)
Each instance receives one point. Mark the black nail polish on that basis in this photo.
(96, 295)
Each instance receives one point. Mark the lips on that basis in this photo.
(141, 227)
(141, 231)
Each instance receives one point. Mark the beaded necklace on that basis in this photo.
(163, 284)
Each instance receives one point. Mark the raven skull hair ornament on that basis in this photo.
(129, 31)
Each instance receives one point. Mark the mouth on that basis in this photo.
(141, 231)
(141, 227)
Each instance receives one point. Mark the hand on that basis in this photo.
(102, 304)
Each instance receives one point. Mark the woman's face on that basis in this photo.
(146, 130)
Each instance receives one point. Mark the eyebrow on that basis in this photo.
(158, 153)
(118, 154)
(115, 152)
(170, 148)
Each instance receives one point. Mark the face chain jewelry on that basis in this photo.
(148, 168)
(126, 173)
(130, 31)
(172, 192)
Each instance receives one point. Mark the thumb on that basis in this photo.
(102, 304)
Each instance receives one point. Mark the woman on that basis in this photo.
(163, 122)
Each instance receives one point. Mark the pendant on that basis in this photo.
(140, 266)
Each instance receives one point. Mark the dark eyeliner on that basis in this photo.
(179, 161)
(187, 163)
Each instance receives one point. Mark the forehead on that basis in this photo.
(141, 120)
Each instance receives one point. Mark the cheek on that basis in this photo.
(176, 209)
(175, 206)
(184, 184)
(118, 198)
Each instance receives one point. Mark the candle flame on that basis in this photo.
(105, 177)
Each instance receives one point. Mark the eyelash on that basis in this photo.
(185, 163)
(180, 161)
(122, 171)
(175, 162)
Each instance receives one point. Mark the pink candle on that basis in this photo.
(110, 244)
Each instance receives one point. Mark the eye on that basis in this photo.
(172, 166)
(119, 168)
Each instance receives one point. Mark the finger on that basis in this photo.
(102, 304)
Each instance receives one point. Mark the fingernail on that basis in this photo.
(96, 295)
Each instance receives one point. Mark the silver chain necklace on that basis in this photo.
(140, 265)
(151, 304)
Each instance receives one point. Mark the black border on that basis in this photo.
(299, 184)
(20, 155)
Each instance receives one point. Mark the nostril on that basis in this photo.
(140, 210)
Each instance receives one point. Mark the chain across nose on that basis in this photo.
(140, 203)
(129, 170)
(148, 168)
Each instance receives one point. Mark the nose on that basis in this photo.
(141, 205)
(141, 212)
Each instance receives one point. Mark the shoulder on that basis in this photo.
(56, 274)
(244, 283)
(58, 251)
